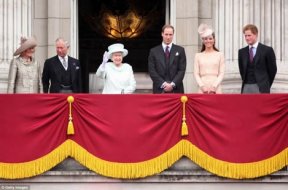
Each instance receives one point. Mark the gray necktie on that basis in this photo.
(65, 65)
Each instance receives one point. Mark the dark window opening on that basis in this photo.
(135, 23)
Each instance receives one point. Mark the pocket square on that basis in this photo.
(177, 53)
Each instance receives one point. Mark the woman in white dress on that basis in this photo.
(209, 63)
(118, 77)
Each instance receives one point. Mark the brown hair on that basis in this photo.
(167, 26)
(203, 46)
(250, 27)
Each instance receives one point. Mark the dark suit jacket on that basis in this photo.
(51, 74)
(159, 72)
(265, 66)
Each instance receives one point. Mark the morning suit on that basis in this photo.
(167, 71)
(54, 75)
(262, 70)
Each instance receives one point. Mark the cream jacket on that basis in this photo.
(24, 77)
(209, 70)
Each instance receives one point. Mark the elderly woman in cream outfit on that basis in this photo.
(209, 64)
(118, 77)
(25, 72)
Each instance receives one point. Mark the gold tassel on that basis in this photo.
(70, 129)
(184, 129)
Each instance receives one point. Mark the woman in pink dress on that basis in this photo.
(209, 63)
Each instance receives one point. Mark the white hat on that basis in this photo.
(117, 48)
(204, 30)
(26, 43)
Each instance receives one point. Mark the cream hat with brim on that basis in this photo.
(116, 48)
(26, 43)
(204, 30)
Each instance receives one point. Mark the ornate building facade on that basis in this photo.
(47, 20)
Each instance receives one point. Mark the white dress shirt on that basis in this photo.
(254, 48)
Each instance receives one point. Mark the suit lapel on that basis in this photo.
(57, 66)
(72, 68)
(161, 52)
(172, 54)
(245, 57)
(258, 53)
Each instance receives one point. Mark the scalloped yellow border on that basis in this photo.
(182, 148)
(236, 170)
(128, 170)
(145, 168)
(35, 167)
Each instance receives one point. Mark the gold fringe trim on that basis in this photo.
(35, 167)
(128, 170)
(164, 161)
(236, 170)
(145, 168)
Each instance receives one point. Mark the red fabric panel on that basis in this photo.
(134, 128)
(238, 128)
(127, 128)
(31, 125)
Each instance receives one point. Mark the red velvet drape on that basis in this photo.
(137, 128)
(239, 128)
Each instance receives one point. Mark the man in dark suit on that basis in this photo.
(62, 73)
(257, 63)
(167, 64)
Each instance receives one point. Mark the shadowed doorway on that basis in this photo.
(135, 23)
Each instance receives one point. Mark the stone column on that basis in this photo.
(15, 21)
(63, 22)
(59, 23)
(187, 19)
(269, 16)
(189, 14)
(53, 19)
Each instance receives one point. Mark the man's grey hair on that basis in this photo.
(65, 41)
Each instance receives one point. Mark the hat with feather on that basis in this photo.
(204, 30)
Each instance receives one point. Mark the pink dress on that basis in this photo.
(209, 70)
